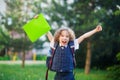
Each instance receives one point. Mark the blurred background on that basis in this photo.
(100, 51)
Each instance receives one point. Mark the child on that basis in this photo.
(63, 59)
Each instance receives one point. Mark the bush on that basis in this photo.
(114, 71)
(40, 57)
(6, 57)
(118, 56)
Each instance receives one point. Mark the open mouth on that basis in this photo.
(64, 42)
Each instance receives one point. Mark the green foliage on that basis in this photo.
(6, 57)
(41, 57)
(13, 24)
(114, 72)
(118, 56)
(4, 37)
(21, 44)
(117, 12)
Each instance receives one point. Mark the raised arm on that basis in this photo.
(90, 33)
(50, 36)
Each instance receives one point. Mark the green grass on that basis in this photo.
(94, 75)
(37, 72)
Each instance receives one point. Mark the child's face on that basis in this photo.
(64, 38)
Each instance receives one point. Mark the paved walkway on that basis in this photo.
(20, 62)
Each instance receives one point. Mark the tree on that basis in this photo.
(86, 19)
(110, 35)
(14, 23)
(23, 11)
(4, 40)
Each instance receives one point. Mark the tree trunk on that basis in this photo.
(23, 59)
(23, 56)
(88, 58)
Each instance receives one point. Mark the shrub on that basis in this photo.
(40, 57)
(114, 71)
(6, 57)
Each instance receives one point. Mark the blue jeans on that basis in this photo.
(64, 76)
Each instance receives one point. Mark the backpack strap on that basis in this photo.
(51, 59)
(72, 48)
(52, 55)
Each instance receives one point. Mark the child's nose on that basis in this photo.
(64, 37)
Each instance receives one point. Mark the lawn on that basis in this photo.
(37, 72)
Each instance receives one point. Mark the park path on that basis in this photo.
(20, 62)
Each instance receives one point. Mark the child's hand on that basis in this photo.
(36, 16)
(98, 28)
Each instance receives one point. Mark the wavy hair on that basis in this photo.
(58, 33)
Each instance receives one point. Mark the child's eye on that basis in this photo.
(67, 36)
(62, 36)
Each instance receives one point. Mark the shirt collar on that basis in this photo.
(65, 45)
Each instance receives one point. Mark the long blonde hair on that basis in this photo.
(58, 33)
